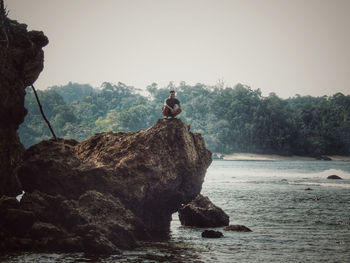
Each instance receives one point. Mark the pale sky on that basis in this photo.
(284, 46)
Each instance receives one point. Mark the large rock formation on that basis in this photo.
(100, 195)
(111, 190)
(21, 61)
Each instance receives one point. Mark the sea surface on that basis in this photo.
(295, 213)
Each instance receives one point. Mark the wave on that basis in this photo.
(218, 181)
(341, 185)
(341, 173)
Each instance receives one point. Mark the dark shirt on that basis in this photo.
(172, 102)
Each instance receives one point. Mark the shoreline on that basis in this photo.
(274, 157)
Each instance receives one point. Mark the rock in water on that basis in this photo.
(323, 158)
(113, 189)
(238, 228)
(212, 234)
(21, 61)
(333, 176)
(201, 212)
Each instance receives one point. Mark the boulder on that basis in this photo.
(212, 234)
(201, 212)
(333, 176)
(113, 189)
(238, 228)
(101, 195)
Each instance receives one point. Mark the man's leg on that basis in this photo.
(177, 112)
(166, 112)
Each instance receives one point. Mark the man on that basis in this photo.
(169, 109)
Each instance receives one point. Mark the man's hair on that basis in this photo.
(172, 91)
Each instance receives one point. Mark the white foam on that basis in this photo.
(340, 173)
(342, 185)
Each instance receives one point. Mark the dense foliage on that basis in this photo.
(235, 119)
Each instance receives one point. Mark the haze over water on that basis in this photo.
(286, 47)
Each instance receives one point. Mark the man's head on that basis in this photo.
(172, 94)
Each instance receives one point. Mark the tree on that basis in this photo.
(230, 119)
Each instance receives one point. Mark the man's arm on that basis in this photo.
(178, 103)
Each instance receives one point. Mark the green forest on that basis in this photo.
(231, 119)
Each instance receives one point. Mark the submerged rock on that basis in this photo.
(201, 212)
(333, 176)
(113, 189)
(238, 228)
(212, 234)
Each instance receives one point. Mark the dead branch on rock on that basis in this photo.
(42, 113)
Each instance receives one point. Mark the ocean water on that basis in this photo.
(288, 222)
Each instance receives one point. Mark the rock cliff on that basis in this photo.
(111, 190)
(101, 195)
(21, 61)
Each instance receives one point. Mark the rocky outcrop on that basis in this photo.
(334, 177)
(21, 61)
(109, 191)
(212, 234)
(237, 228)
(201, 212)
(101, 195)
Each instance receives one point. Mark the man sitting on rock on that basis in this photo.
(169, 109)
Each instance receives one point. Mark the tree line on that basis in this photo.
(231, 119)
